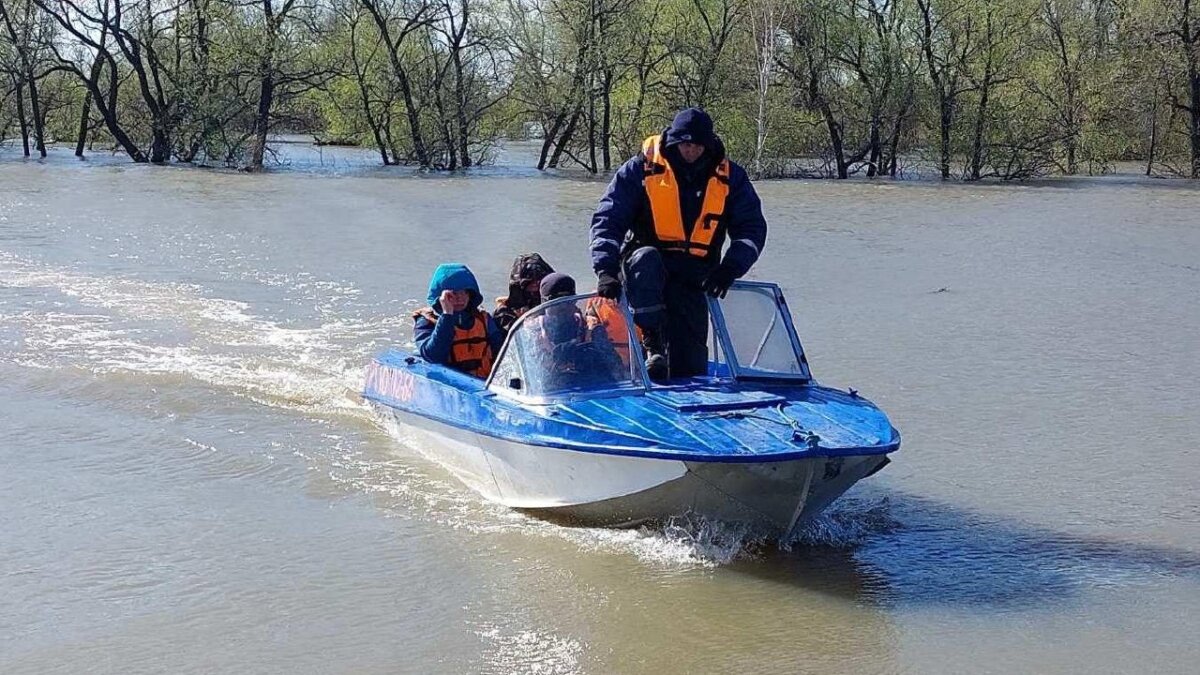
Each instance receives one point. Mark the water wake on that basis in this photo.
(107, 325)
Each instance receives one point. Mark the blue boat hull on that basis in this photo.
(619, 490)
(570, 427)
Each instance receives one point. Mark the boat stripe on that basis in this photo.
(652, 454)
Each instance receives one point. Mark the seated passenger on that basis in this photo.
(453, 330)
(580, 354)
(524, 293)
(605, 314)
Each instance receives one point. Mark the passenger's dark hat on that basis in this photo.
(557, 285)
(691, 124)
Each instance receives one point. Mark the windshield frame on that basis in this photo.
(737, 370)
(638, 383)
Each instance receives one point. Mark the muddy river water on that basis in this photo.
(190, 483)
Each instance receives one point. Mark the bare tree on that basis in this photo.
(697, 51)
(947, 31)
(990, 69)
(766, 21)
(811, 63)
(23, 31)
(396, 22)
(91, 30)
(1184, 33)
(283, 69)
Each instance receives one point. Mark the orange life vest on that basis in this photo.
(662, 188)
(606, 313)
(470, 352)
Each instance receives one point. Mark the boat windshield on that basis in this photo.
(761, 338)
(577, 344)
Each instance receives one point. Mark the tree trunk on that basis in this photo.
(835, 141)
(29, 79)
(1153, 135)
(577, 83)
(92, 84)
(548, 140)
(39, 121)
(873, 158)
(364, 95)
(266, 88)
(942, 88)
(21, 116)
(108, 111)
(606, 123)
(592, 134)
(946, 122)
(831, 124)
(892, 162)
(1193, 61)
(262, 119)
(449, 149)
(460, 89)
(160, 144)
(380, 143)
(371, 121)
(977, 140)
(84, 121)
(563, 140)
(414, 119)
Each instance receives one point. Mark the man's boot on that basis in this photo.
(654, 342)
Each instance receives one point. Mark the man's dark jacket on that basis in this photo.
(624, 210)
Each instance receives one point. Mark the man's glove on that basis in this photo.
(718, 281)
(608, 286)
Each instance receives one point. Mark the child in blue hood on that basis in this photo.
(453, 330)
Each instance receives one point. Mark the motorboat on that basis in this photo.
(569, 427)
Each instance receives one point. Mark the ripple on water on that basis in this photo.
(510, 648)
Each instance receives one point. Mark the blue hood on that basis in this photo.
(453, 277)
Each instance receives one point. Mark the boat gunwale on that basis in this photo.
(676, 455)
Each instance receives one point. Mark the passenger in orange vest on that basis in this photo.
(605, 314)
(580, 352)
(453, 330)
(660, 233)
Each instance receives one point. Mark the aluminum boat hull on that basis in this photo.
(570, 429)
(611, 490)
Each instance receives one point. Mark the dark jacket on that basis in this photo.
(624, 211)
(435, 339)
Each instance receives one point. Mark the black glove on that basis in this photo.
(718, 281)
(608, 286)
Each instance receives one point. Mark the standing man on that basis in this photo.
(658, 234)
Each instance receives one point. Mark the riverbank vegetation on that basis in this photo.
(967, 89)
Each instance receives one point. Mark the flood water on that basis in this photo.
(189, 482)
